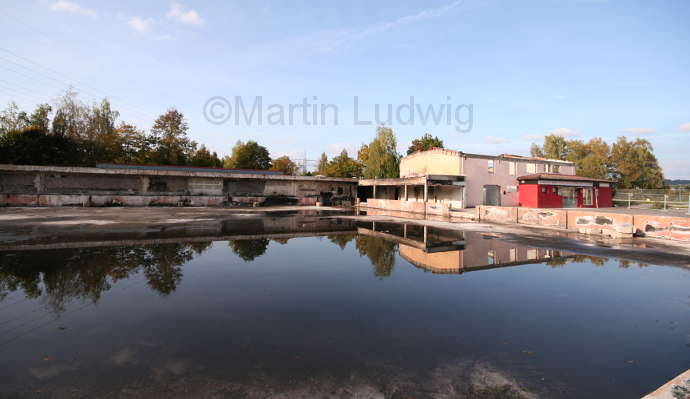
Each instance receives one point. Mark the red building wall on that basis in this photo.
(531, 196)
(549, 199)
(528, 195)
(605, 197)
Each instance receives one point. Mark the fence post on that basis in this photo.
(629, 196)
(665, 198)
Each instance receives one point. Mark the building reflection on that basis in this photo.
(454, 252)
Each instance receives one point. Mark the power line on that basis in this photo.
(50, 80)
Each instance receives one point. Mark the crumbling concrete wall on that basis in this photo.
(56, 186)
(498, 214)
(598, 223)
(677, 228)
(543, 217)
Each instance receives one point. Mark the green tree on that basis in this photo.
(40, 118)
(203, 157)
(555, 147)
(33, 146)
(285, 165)
(343, 166)
(249, 155)
(363, 154)
(12, 119)
(536, 151)
(635, 165)
(424, 143)
(323, 163)
(383, 160)
(101, 142)
(170, 132)
(71, 117)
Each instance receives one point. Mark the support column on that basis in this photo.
(425, 234)
(405, 195)
(405, 230)
(426, 191)
(39, 183)
(374, 191)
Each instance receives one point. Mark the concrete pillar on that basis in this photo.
(405, 230)
(426, 191)
(425, 233)
(374, 191)
(373, 226)
(405, 195)
(39, 183)
(143, 184)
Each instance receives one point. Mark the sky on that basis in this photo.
(501, 74)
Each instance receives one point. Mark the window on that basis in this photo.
(531, 168)
(543, 190)
(511, 168)
(491, 257)
(490, 164)
(587, 196)
(555, 190)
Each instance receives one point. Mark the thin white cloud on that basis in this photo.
(73, 8)
(639, 131)
(564, 132)
(495, 140)
(532, 137)
(139, 24)
(685, 127)
(182, 15)
(348, 36)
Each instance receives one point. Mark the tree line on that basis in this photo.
(632, 164)
(73, 133)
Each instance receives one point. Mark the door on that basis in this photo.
(569, 195)
(492, 195)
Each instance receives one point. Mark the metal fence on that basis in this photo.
(672, 198)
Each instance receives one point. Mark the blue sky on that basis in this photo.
(582, 68)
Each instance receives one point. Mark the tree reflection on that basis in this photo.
(341, 240)
(63, 275)
(380, 252)
(249, 250)
(559, 260)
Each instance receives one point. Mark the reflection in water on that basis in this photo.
(311, 321)
(62, 275)
(380, 252)
(85, 273)
(249, 249)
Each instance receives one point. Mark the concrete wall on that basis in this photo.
(55, 186)
(432, 162)
(428, 208)
(542, 217)
(591, 221)
(677, 228)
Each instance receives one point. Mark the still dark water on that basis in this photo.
(365, 311)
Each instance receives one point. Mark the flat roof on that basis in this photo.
(193, 172)
(501, 156)
(559, 177)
